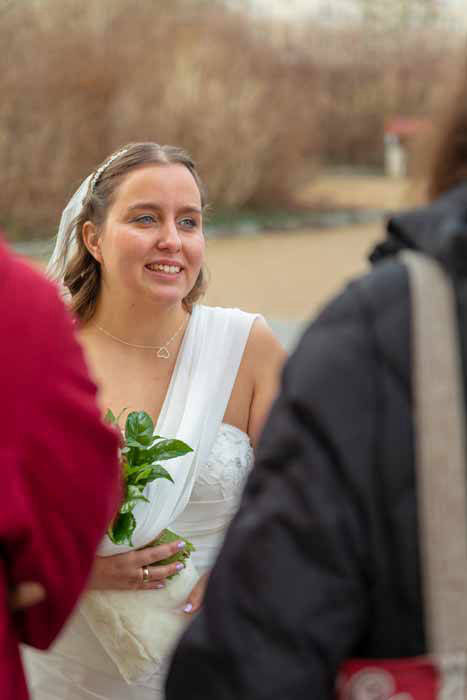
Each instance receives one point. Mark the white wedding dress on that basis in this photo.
(85, 663)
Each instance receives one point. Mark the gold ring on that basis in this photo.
(146, 577)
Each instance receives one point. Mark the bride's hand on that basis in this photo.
(128, 571)
(195, 599)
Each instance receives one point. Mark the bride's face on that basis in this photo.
(152, 241)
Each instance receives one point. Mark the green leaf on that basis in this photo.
(134, 469)
(158, 472)
(168, 449)
(127, 507)
(122, 529)
(143, 476)
(110, 418)
(135, 493)
(140, 428)
(140, 457)
(133, 457)
(166, 537)
(131, 442)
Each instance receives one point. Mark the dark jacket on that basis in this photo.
(322, 562)
(58, 462)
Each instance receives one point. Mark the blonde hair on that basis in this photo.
(82, 273)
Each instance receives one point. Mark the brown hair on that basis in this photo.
(449, 151)
(82, 273)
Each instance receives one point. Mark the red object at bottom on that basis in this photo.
(391, 679)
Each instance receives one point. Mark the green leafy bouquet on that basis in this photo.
(140, 457)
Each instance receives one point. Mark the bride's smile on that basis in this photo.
(151, 245)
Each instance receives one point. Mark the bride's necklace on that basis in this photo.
(161, 350)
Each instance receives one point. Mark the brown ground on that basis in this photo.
(286, 275)
(365, 191)
(289, 275)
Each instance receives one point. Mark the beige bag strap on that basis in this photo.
(440, 453)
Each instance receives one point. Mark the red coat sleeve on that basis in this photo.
(59, 461)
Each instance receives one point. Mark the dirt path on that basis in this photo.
(286, 275)
(289, 275)
(365, 191)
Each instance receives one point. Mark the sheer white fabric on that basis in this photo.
(82, 664)
(65, 246)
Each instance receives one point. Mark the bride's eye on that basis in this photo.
(146, 219)
(188, 222)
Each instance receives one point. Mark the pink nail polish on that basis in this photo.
(188, 608)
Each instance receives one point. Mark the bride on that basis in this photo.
(130, 254)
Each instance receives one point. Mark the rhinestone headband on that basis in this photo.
(105, 165)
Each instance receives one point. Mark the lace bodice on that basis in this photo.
(224, 474)
(216, 494)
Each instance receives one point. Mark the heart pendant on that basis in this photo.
(163, 353)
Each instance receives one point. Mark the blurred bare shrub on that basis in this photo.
(81, 78)
(368, 76)
(258, 103)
